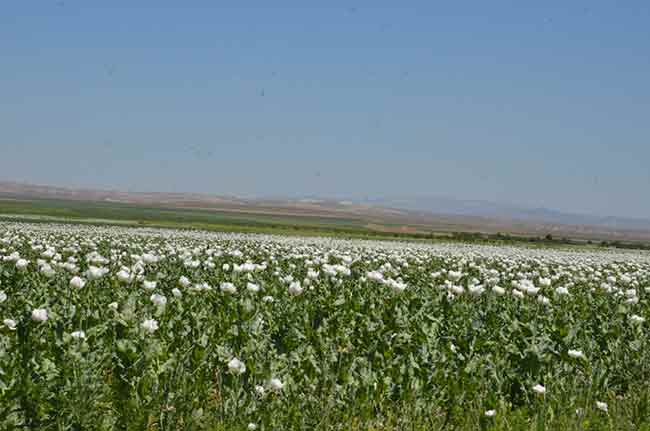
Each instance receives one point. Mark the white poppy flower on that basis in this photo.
(476, 290)
(539, 389)
(184, 281)
(228, 288)
(632, 301)
(457, 290)
(39, 315)
(543, 300)
(295, 288)
(158, 300)
(95, 273)
(276, 384)
(77, 282)
(124, 276)
(79, 335)
(235, 366)
(561, 290)
(576, 354)
(150, 325)
(48, 271)
(637, 319)
(21, 264)
(396, 286)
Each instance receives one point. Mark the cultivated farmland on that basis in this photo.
(125, 328)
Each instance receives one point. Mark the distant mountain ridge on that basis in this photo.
(478, 208)
(420, 213)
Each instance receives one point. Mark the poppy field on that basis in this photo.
(137, 328)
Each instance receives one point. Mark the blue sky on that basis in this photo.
(537, 103)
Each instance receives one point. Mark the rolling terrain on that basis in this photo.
(413, 216)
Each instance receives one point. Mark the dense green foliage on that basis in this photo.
(361, 335)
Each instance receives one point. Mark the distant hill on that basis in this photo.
(406, 214)
(478, 208)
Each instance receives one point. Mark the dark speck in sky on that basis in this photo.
(199, 152)
(110, 70)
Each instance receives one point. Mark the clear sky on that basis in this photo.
(537, 103)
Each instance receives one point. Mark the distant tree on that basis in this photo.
(549, 237)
